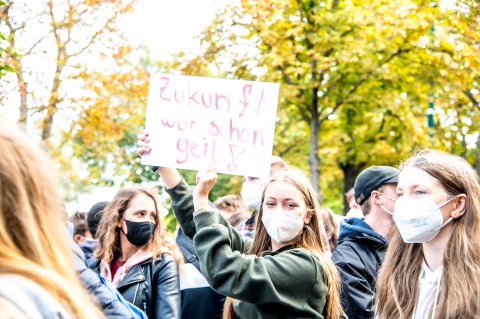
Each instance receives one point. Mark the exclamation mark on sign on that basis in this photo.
(236, 151)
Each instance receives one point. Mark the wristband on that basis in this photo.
(201, 210)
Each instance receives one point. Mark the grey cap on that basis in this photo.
(372, 179)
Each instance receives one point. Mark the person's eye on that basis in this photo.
(269, 204)
(290, 205)
(399, 194)
(418, 192)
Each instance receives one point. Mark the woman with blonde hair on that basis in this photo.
(37, 276)
(432, 264)
(284, 272)
(137, 255)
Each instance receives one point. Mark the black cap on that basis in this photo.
(371, 179)
(94, 216)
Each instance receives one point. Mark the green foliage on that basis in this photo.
(355, 77)
(356, 80)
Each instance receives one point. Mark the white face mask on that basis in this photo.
(252, 194)
(418, 219)
(282, 226)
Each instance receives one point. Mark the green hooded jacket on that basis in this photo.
(287, 283)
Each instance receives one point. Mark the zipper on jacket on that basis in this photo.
(136, 291)
(143, 297)
(135, 295)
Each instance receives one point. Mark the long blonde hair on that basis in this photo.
(310, 238)
(397, 285)
(108, 233)
(33, 233)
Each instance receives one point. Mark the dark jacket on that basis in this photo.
(358, 256)
(199, 300)
(161, 302)
(270, 286)
(111, 307)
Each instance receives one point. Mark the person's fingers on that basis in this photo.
(141, 143)
(206, 178)
(142, 150)
(143, 136)
(207, 173)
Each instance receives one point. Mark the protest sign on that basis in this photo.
(197, 120)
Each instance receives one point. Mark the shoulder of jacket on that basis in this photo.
(303, 253)
(164, 260)
(362, 251)
(359, 239)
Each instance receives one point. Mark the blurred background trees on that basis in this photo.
(362, 82)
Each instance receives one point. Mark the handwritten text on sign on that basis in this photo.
(195, 120)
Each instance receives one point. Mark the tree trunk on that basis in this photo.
(22, 89)
(54, 99)
(51, 109)
(350, 173)
(313, 158)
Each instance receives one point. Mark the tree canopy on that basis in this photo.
(362, 82)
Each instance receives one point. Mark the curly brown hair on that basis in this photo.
(108, 233)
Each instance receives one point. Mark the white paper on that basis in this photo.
(193, 121)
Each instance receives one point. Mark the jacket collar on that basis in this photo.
(137, 258)
(357, 228)
(136, 274)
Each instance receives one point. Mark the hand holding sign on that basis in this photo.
(193, 120)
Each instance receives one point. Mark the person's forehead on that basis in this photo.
(413, 177)
(282, 189)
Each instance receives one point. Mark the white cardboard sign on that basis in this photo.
(197, 120)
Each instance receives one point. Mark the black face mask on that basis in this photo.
(138, 233)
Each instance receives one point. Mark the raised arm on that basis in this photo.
(178, 190)
(169, 175)
(186, 200)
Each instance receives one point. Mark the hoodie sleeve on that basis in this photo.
(258, 280)
(182, 204)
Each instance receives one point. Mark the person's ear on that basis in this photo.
(78, 239)
(309, 215)
(376, 198)
(459, 206)
(119, 224)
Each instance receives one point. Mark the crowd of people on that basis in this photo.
(408, 249)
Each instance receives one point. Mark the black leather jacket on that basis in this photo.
(154, 288)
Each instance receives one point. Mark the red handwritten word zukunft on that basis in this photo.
(219, 99)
